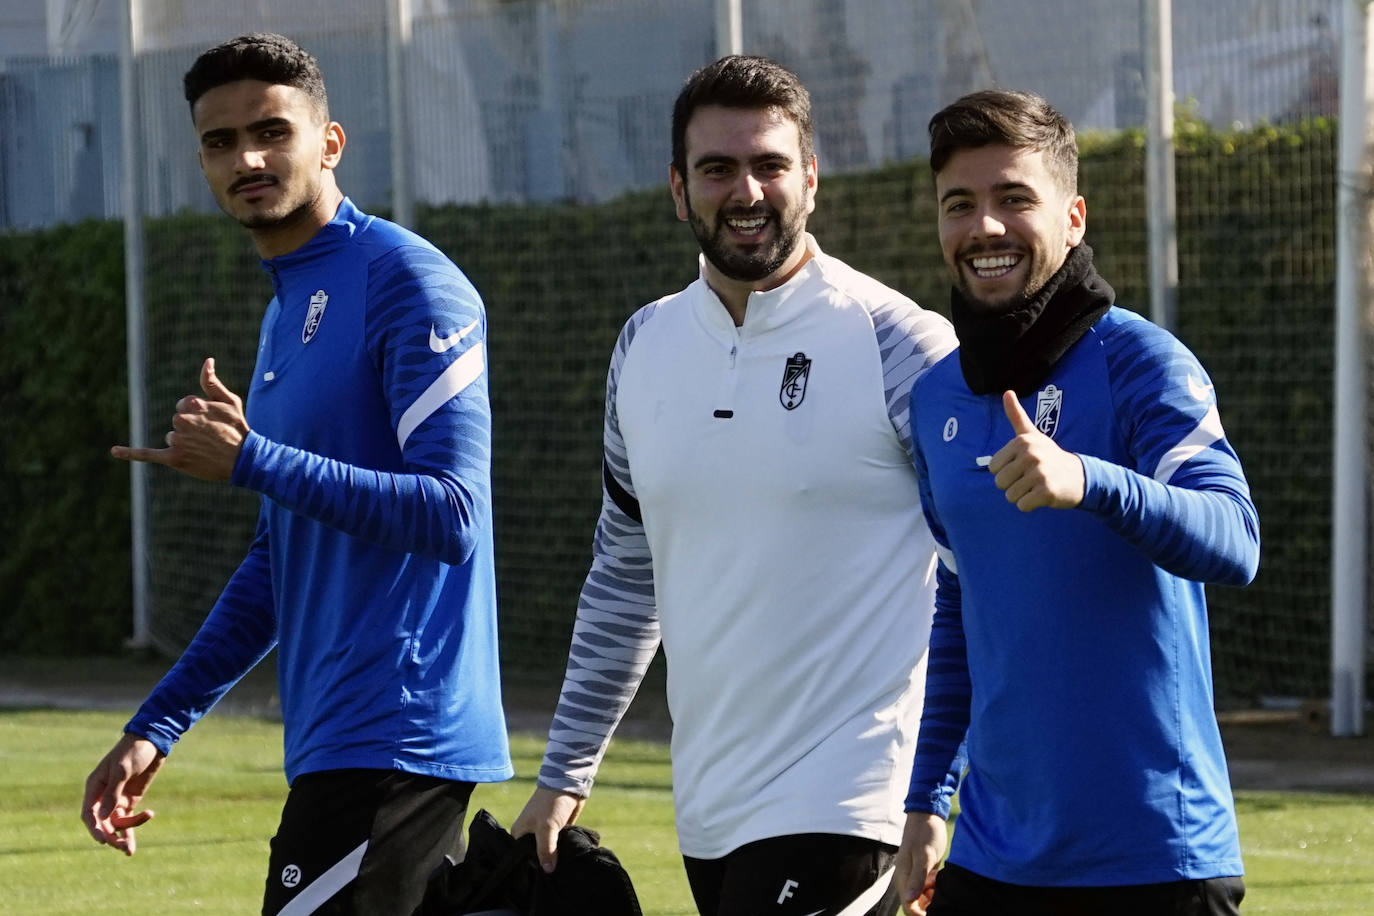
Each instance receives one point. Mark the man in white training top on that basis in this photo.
(761, 517)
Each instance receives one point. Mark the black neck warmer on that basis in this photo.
(1016, 349)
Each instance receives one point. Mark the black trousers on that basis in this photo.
(362, 842)
(805, 874)
(960, 892)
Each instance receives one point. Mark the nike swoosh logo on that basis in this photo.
(817, 913)
(442, 344)
(1199, 391)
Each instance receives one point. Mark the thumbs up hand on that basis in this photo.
(1031, 469)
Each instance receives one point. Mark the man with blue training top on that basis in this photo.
(1080, 488)
(368, 436)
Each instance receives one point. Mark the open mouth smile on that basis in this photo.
(990, 267)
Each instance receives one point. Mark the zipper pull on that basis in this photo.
(734, 349)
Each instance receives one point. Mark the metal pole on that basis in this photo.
(134, 307)
(1349, 537)
(399, 34)
(1159, 162)
(729, 28)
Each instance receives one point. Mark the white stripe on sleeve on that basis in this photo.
(1207, 431)
(465, 370)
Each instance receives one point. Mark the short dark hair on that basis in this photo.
(1022, 120)
(262, 56)
(742, 81)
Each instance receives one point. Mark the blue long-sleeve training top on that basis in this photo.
(1070, 647)
(372, 569)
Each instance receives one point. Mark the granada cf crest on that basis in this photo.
(794, 376)
(315, 315)
(1048, 403)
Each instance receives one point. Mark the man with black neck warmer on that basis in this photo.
(1081, 491)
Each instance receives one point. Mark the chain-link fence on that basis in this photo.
(534, 145)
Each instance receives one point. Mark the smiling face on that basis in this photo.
(268, 155)
(1005, 224)
(747, 194)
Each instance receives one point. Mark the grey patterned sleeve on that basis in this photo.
(616, 633)
(910, 340)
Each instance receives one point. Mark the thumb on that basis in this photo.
(547, 847)
(1020, 422)
(209, 383)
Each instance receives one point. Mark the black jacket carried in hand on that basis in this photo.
(501, 873)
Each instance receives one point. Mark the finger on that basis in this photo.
(1001, 458)
(90, 801)
(126, 842)
(1020, 422)
(212, 386)
(1025, 494)
(1028, 502)
(1011, 480)
(149, 455)
(546, 845)
(130, 821)
(90, 816)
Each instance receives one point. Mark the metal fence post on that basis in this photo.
(1349, 511)
(131, 41)
(1159, 158)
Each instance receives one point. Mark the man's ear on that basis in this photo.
(678, 184)
(1078, 220)
(813, 179)
(332, 148)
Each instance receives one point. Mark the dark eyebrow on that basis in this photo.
(252, 128)
(712, 159)
(999, 187)
(721, 158)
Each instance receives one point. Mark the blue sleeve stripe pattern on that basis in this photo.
(454, 432)
(617, 632)
(1186, 504)
(238, 632)
(1204, 528)
(910, 340)
(939, 762)
(940, 752)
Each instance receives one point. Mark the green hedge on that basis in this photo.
(1256, 241)
(64, 523)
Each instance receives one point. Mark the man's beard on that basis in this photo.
(257, 220)
(1037, 277)
(750, 265)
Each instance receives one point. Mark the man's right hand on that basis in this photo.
(923, 846)
(115, 788)
(547, 812)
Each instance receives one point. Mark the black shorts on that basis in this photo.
(805, 874)
(960, 892)
(362, 841)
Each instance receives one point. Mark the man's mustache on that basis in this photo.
(252, 179)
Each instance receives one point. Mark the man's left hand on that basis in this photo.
(207, 432)
(1031, 469)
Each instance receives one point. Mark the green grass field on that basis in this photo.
(219, 797)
